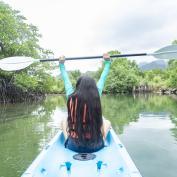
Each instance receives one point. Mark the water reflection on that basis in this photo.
(148, 128)
(24, 130)
(123, 110)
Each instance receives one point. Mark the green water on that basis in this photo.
(147, 126)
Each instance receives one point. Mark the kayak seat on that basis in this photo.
(84, 156)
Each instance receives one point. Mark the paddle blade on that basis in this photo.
(16, 63)
(168, 52)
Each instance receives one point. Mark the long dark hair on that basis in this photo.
(84, 113)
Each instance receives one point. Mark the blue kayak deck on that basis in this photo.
(57, 161)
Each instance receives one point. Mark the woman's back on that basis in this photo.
(85, 114)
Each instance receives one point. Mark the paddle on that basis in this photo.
(21, 62)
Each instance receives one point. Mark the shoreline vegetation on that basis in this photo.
(32, 84)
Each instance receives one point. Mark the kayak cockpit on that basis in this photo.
(57, 161)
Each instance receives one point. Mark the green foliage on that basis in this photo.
(171, 71)
(162, 79)
(22, 39)
(156, 78)
(18, 37)
(74, 75)
(123, 76)
(172, 74)
(26, 82)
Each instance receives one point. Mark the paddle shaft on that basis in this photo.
(95, 57)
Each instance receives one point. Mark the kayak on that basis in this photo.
(57, 161)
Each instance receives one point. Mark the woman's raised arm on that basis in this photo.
(67, 83)
(101, 82)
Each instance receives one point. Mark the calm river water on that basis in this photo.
(146, 124)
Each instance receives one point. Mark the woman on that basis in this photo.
(85, 129)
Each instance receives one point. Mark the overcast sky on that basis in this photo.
(92, 27)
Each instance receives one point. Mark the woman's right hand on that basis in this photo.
(106, 57)
(61, 59)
